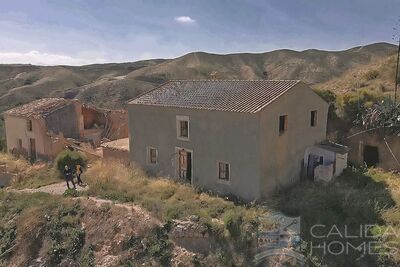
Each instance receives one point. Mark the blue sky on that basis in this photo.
(77, 32)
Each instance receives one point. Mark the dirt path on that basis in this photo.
(59, 189)
(54, 189)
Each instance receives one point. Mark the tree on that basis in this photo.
(384, 115)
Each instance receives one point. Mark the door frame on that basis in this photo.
(177, 162)
(33, 157)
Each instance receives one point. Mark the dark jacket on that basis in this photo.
(68, 174)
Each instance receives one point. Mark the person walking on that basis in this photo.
(79, 172)
(68, 176)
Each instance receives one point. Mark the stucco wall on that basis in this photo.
(261, 161)
(67, 120)
(214, 136)
(282, 155)
(16, 128)
(341, 163)
(46, 147)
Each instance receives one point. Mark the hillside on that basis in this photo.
(125, 218)
(110, 85)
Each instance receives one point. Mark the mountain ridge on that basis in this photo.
(112, 84)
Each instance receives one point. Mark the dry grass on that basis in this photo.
(13, 164)
(27, 175)
(233, 226)
(166, 199)
(37, 176)
(357, 198)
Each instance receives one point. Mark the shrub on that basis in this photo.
(371, 75)
(354, 104)
(87, 258)
(75, 242)
(7, 238)
(67, 236)
(159, 246)
(71, 159)
(55, 253)
(233, 223)
(71, 193)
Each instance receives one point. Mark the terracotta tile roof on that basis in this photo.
(38, 108)
(224, 95)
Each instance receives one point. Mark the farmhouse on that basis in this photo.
(241, 137)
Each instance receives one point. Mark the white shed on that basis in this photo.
(325, 161)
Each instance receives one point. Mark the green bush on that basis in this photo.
(67, 236)
(354, 104)
(71, 159)
(7, 238)
(233, 223)
(71, 193)
(159, 246)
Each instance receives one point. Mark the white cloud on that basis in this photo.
(184, 20)
(40, 58)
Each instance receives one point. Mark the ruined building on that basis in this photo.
(44, 127)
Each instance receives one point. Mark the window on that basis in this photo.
(29, 125)
(313, 118)
(182, 125)
(184, 129)
(152, 155)
(223, 171)
(283, 124)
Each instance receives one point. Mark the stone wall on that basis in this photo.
(192, 236)
(357, 144)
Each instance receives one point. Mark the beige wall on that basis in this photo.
(68, 118)
(282, 155)
(16, 128)
(214, 136)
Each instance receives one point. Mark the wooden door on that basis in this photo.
(32, 145)
(185, 165)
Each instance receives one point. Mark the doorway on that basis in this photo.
(32, 148)
(313, 162)
(185, 164)
(371, 156)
